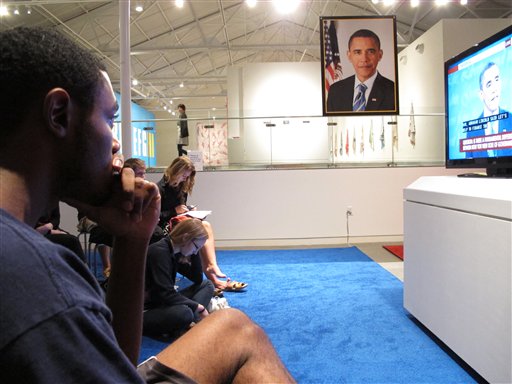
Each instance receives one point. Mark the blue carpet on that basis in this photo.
(334, 316)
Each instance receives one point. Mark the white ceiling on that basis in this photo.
(196, 44)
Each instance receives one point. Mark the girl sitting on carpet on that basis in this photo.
(168, 312)
(175, 186)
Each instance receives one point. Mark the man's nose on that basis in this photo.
(115, 146)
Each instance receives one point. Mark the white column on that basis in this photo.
(126, 115)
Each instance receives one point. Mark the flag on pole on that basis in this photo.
(354, 141)
(412, 127)
(370, 137)
(382, 138)
(395, 132)
(346, 144)
(333, 70)
(341, 142)
(361, 145)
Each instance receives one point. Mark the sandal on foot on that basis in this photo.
(235, 286)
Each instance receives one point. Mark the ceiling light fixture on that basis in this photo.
(179, 3)
(286, 6)
(463, 2)
(415, 3)
(182, 85)
(135, 82)
(139, 8)
(16, 11)
(441, 2)
(4, 11)
(251, 3)
(375, 1)
(388, 2)
(29, 11)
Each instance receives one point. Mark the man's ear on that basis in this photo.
(56, 111)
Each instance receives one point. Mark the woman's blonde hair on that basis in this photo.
(188, 230)
(179, 166)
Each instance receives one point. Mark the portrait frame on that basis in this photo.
(338, 100)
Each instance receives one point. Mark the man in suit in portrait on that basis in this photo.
(367, 90)
(500, 120)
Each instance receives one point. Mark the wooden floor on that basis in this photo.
(385, 258)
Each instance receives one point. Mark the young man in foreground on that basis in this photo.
(57, 109)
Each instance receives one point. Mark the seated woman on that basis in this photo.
(167, 311)
(175, 186)
(49, 227)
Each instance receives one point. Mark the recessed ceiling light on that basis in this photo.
(251, 3)
(286, 6)
(135, 82)
(4, 11)
(179, 3)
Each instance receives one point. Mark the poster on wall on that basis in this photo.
(212, 141)
(359, 65)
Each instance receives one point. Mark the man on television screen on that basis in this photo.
(367, 90)
(493, 119)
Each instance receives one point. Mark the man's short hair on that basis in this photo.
(182, 106)
(35, 60)
(486, 68)
(364, 33)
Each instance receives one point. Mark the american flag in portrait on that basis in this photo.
(333, 70)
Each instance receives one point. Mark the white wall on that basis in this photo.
(297, 207)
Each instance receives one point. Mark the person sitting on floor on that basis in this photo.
(168, 311)
(49, 226)
(175, 186)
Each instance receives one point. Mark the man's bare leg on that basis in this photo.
(226, 347)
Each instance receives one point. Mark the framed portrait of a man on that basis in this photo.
(359, 65)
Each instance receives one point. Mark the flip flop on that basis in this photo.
(235, 286)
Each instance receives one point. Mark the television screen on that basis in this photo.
(478, 85)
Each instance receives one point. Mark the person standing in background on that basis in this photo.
(182, 139)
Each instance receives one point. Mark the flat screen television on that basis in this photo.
(478, 86)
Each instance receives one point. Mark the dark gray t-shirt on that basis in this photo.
(54, 324)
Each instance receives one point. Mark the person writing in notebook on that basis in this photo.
(367, 89)
(175, 186)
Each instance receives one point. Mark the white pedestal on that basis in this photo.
(457, 267)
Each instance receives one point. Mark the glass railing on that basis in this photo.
(296, 142)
